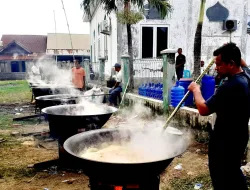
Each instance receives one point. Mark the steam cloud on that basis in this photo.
(46, 73)
(147, 139)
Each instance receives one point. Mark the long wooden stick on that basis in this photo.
(186, 95)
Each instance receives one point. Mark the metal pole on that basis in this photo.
(55, 34)
(68, 30)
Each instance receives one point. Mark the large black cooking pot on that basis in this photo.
(54, 100)
(64, 124)
(117, 171)
(33, 83)
(50, 90)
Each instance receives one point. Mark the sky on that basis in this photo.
(37, 17)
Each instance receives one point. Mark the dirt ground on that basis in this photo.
(27, 148)
(17, 159)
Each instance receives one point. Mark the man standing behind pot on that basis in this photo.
(117, 88)
(78, 76)
(179, 64)
(231, 103)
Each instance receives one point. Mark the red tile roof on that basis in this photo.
(34, 43)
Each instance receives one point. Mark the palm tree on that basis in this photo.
(197, 41)
(129, 17)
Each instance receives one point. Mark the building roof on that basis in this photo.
(24, 57)
(15, 43)
(33, 43)
(63, 42)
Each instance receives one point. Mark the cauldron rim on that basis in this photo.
(65, 145)
(56, 96)
(45, 110)
(52, 86)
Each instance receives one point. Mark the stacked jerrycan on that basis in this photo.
(151, 90)
(177, 93)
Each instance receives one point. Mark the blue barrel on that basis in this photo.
(207, 86)
(185, 82)
(177, 93)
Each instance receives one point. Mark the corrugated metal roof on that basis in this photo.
(62, 41)
(34, 43)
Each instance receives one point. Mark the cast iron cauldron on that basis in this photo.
(50, 90)
(53, 100)
(63, 124)
(62, 99)
(115, 171)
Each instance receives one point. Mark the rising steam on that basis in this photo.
(147, 140)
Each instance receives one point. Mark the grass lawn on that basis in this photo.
(11, 93)
(17, 91)
(6, 121)
(189, 182)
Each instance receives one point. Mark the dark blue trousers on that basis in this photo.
(225, 162)
(114, 93)
(179, 73)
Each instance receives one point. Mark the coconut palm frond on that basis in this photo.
(129, 17)
(139, 3)
(85, 5)
(109, 5)
(163, 6)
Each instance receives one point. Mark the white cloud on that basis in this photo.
(37, 17)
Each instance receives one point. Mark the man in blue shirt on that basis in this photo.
(231, 103)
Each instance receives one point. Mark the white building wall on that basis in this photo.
(182, 24)
(112, 45)
(248, 38)
(213, 36)
(98, 17)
